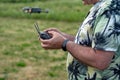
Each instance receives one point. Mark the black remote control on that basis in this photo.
(43, 35)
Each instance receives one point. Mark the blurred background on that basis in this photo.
(21, 56)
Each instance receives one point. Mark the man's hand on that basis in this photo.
(55, 42)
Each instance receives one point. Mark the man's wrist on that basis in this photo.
(64, 45)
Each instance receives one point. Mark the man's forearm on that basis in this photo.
(70, 37)
(89, 56)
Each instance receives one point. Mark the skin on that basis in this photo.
(96, 58)
(88, 2)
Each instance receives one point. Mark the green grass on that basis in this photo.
(59, 10)
(21, 56)
(18, 1)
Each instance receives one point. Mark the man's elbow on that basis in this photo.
(102, 66)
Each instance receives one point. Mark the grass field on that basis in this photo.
(21, 56)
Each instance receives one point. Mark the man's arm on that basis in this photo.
(69, 37)
(95, 58)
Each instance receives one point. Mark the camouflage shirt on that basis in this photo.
(100, 30)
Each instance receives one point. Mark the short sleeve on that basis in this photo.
(106, 35)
